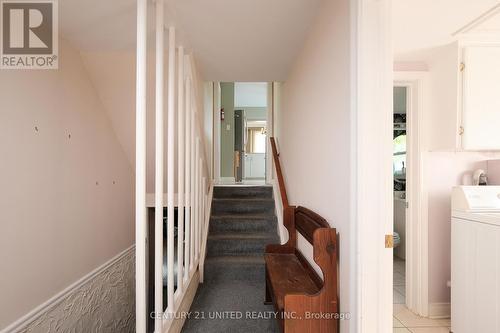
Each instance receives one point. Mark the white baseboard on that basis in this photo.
(64, 306)
(439, 310)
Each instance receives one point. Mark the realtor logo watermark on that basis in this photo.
(29, 34)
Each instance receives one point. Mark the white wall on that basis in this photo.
(494, 172)
(277, 107)
(113, 74)
(314, 130)
(443, 171)
(66, 204)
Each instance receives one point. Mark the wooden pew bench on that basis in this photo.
(305, 301)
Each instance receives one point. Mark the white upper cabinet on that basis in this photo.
(481, 97)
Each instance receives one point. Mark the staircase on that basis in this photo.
(243, 222)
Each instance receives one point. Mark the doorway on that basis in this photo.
(239, 144)
(410, 260)
(255, 150)
(399, 169)
(243, 123)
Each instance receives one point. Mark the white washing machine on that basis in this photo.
(475, 259)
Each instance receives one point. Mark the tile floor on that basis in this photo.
(404, 320)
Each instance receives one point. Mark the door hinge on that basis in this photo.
(407, 204)
(461, 130)
(462, 66)
(389, 241)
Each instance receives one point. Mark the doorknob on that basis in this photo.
(389, 241)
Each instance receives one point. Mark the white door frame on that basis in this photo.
(372, 189)
(416, 197)
(270, 130)
(372, 180)
(216, 132)
(217, 128)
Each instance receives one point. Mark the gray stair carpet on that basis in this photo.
(243, 222)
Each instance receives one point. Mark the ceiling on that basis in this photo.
(232, 40)
(423, 24)
(97, 25)
(257, 40)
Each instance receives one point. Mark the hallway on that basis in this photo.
(115, 151)
(231, 299)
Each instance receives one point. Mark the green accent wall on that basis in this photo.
(399, 99)
(227, 135)
(252, 113)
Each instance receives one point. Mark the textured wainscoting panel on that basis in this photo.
(104, 301)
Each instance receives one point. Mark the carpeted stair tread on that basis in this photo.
(238, 236)
(243, 192)
(243, 217)
(254, 206)
(243, 200)
(239, 260)
(238, 244)
(243, 223)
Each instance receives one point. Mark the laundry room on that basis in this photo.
(445, 134)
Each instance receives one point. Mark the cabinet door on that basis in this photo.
(481, 98)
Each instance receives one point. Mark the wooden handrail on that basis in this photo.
(279, 173)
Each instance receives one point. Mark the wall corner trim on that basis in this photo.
(25, 321)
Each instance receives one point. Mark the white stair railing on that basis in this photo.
(140, 168)
(188, 183)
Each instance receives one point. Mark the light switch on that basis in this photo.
(228, 127)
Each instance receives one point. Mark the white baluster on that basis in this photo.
(159, 155)
(170, 170)
(187, 252)
(200, 200)
(140, 169)
(181, 160)
(193, 181)
(197, 202)
(203, 211)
